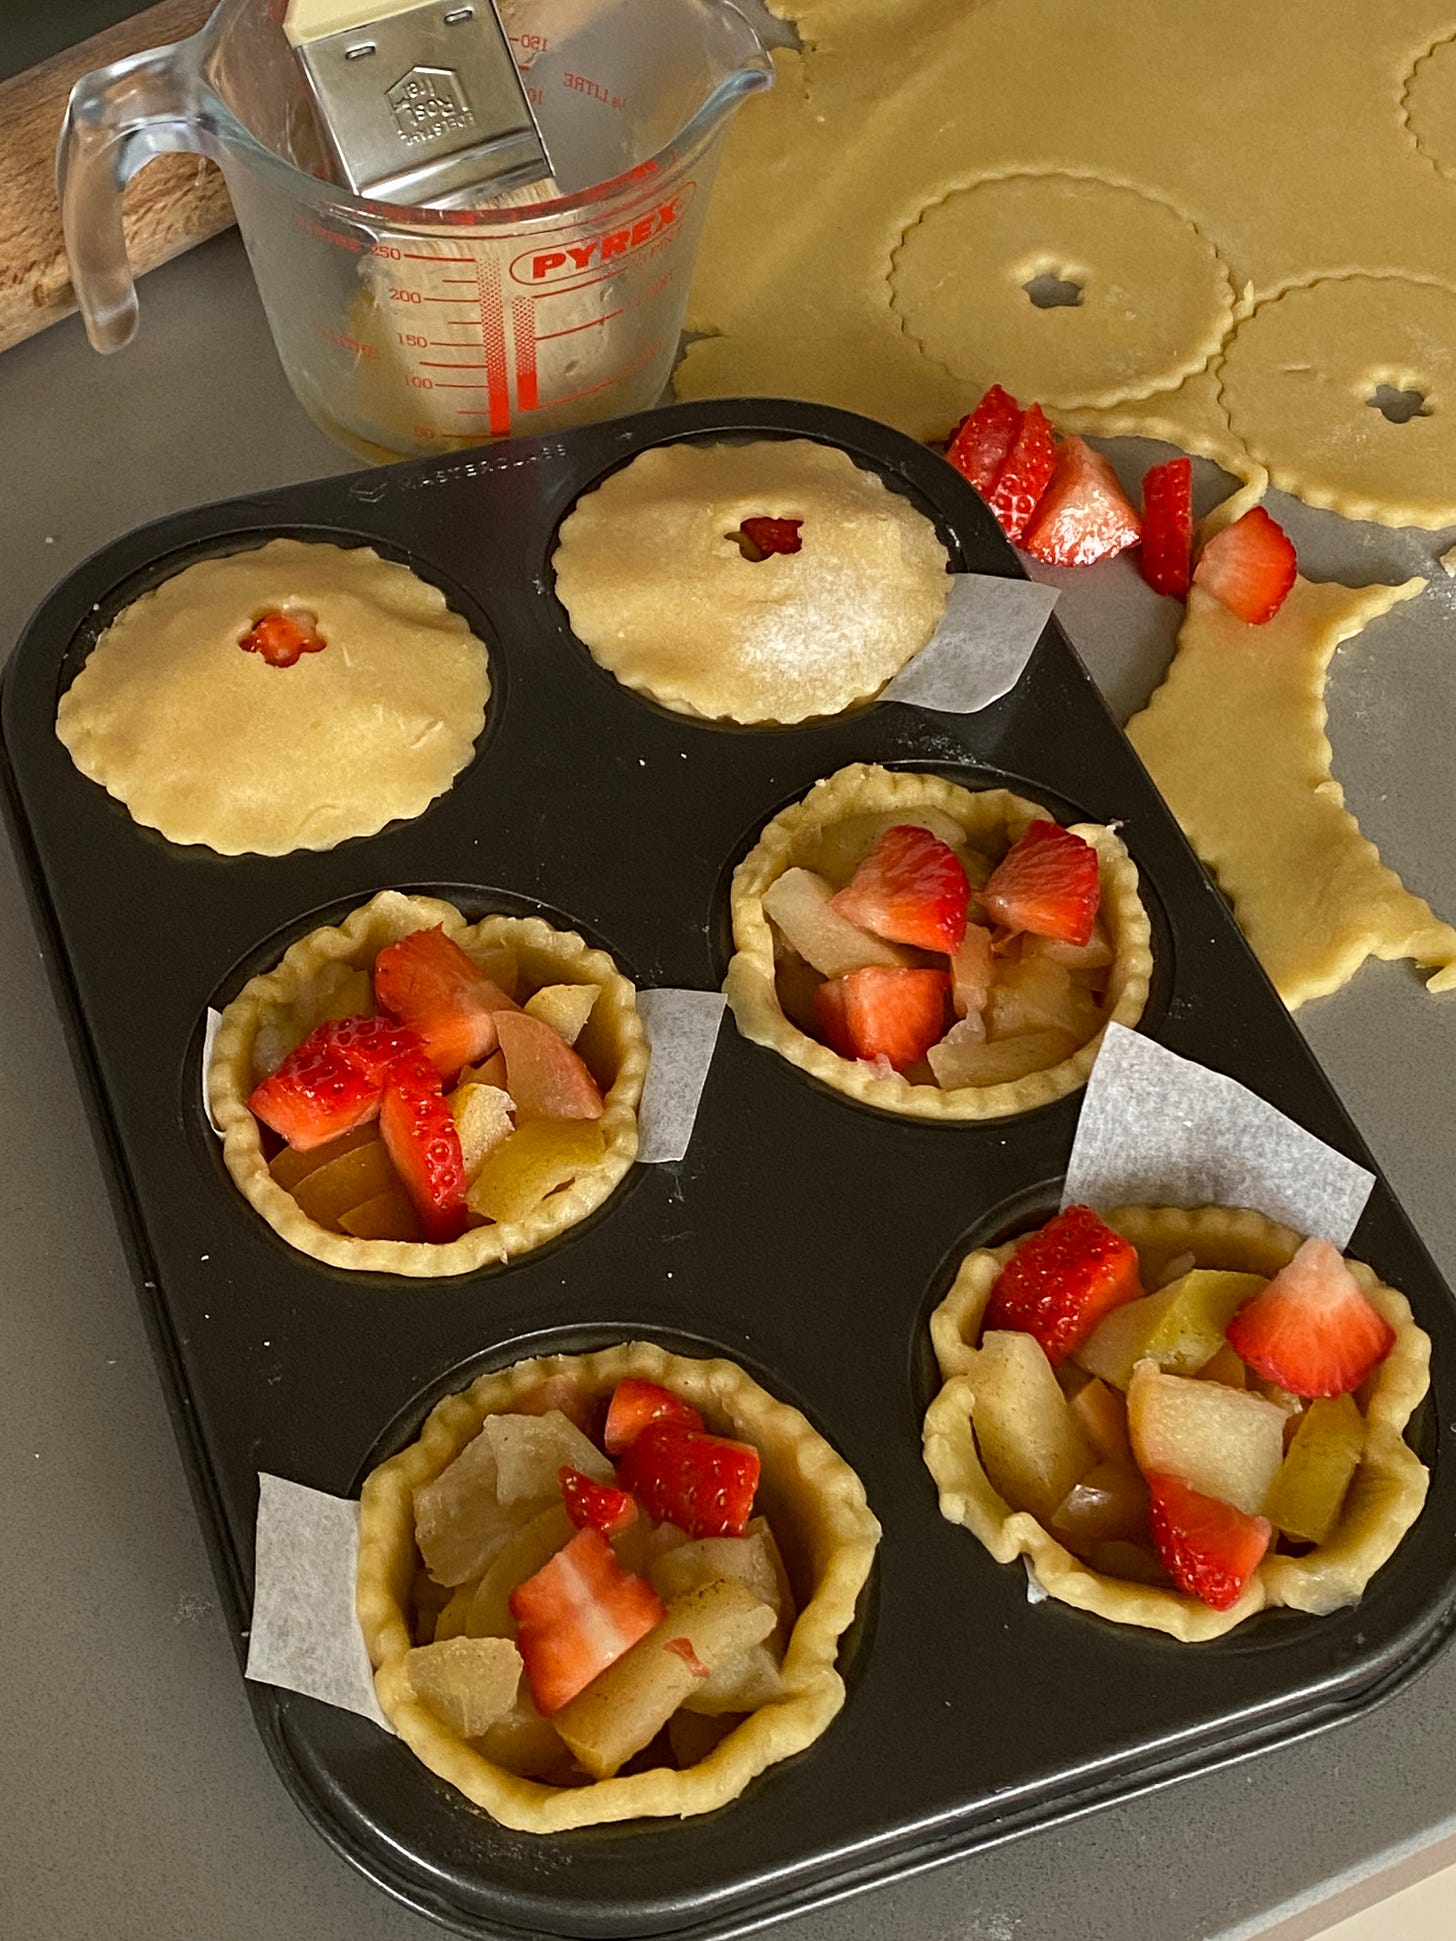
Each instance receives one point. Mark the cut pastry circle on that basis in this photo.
(1383, 1501)
(992, 820)
(211, 744)
(814, 1502)
(661, 593)
(1153, 298)
(1313, 417)
(613, 1044)
(1429, 102)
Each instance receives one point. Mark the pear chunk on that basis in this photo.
(1181, 1327)
(1032, 1446)
(468, 1683)
(1222, 1442)
(1309, 1490)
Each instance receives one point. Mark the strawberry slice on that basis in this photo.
(423, 1143)
(703, 1483)
(595, 1506)
(283, 638)
(634, 1404)
(1025, 475)
(1208, 1548)
(1046, 883)
(772, 535)
(577, 1615)
(332, 1081)
(883, 1013)
(1059, 1283)
(1167, 555)
(910, 889)
(980, 444)
(1311, 1329)
(1249, 567)
(1084, 513)
(429, 983)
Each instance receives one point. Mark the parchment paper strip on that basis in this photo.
(977, 653)
(682, 1029)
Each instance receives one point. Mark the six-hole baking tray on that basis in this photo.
(805, 1236)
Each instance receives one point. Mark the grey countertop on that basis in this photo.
(139, 1805)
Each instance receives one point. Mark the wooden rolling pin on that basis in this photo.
(175, 201)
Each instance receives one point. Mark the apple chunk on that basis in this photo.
(1309, 1490)
(1180, 1327)
(798, 903)
(1033, 1448)
(625, 1706)
(1222, 1442)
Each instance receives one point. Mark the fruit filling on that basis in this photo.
(905, 947)
(429, 1095)
(283, 636)
(1181, 1435)
(571, 1617)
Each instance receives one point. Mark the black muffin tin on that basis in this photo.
(804, 1235)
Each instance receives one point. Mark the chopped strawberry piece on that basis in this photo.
(772, 535)
(883, 1013)
(910, 889)
(282, 638)
(332, 1081)
(980, 443)
(1084, 513)
(576, 1616)
(429, 983)
(1046, 883)
(1249, 567)
(1062, 1280)
(423, 1143)
(703, 1483)
(1024, 477)
(595, 1506)
(1311, 1329)
(1167, 555)
(634, 1404)
(1208, 1548)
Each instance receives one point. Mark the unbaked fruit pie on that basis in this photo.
(1178, 1417)
(935, 950)
(410, 1093)
(762, 582)
(279, 699)
(610, 1586)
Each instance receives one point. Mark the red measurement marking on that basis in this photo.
(493, 336)
(523, 329)
(591, 323)
(439, 364)
(421, 256)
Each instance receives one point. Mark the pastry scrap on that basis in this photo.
(1106, 213)
(934, 950)
(610, 1586)
(670, 590)
(1235, 740)
(280, 699)
(1179, 1458)
(407, 1093)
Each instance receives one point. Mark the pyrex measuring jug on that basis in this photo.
(404, 330)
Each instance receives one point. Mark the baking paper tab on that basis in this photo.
(1157, 1130)
(305, 1634)
(977, 653)
(682, 1029)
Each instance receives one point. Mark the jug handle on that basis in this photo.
(117, 120)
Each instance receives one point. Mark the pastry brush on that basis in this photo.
(421, 101)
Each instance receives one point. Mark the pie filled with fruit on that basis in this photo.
(1179, 1417)
(935, 950)
(413, 1094)
(610, 1586)
(285, 698)
(760, 582)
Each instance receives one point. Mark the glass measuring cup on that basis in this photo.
(405, 331)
